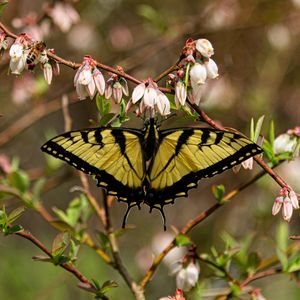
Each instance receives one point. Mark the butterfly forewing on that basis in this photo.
(114, 156)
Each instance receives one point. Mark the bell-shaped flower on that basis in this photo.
(285, 143)
(288, 201)
(138, 92)
(99, 81)
(211, 69)
(17, 58)
(198, 73)
(47, 69)
(180, 93)
(188, 276)
(204, 47)
(162, 103)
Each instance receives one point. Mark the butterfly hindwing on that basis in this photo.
(186, 155)
(113, 156)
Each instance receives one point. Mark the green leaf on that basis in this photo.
(282, 242)
(61, 225)
(105, 119)
(20, 180)
(37, 189)
(15, 214)
(13, 229)
(235, 289)
(253, 262)
(219, 192)
(108, 285)
(61, 215)
(103, 105)
(73, 251)
(252, 129)
(60, 243)
(183, 240)
(258, 128)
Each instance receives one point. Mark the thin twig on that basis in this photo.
(67, 266)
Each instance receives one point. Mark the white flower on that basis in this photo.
(211, 69)
(198, 74)
(138, 92)
(188, 277)
(205, 47)
(17, 58)
(16, 51)
(180, 93)
(162, 103)
(277, 205)
(285, 143)
(85, 75)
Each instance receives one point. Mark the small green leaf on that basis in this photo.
(73, 251)
(253, 262)
(258, 128)
(252, 129)
(20, 180)
(37, 189)
(235, 289)
(108, 285)
(15, 214)
(61, 225)
(60, 243)
(219, 192)
(103, 105)
(13, 229)
(183, 240)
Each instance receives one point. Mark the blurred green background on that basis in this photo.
(257, 46)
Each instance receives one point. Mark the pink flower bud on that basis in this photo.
(180, 93)
(162, 104)
(287, 211)
(99, 81)
(277, 205)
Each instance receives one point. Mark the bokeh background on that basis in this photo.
(257, 46)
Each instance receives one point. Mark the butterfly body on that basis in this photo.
(151, 165)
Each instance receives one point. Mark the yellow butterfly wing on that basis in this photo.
(113, 155)
(186, 155)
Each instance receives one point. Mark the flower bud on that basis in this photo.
(47, 69)
(180, 93)
(138, 92)
(277, 205)
(205, 47)
(99, 81)
(285, 143)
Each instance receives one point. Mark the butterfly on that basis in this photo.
(150, 166)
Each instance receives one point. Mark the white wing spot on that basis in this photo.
(67, 158)
(49, 148)
(60, 155)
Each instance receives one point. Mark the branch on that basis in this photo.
(67, 266)
(118, 264)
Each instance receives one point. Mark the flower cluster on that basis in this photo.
(116, 87)
(88, 79)
(150, 97)
(192, 75)
(26, 53)
(288, 142)
(288, 201)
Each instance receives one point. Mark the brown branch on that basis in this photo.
(30, 118)
(260, 275)
(67, 266)
(118, 264)
(201, 217)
